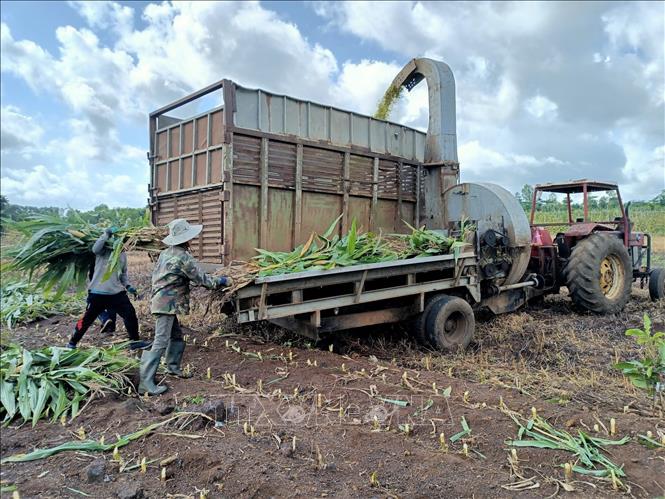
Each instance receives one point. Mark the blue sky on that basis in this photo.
(545, 91)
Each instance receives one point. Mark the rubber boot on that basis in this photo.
(149, 364)
(140, 345)
(174, 355)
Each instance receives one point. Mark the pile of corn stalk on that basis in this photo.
(325, 252)
(60, 253)
(21, 301)
(55, 382)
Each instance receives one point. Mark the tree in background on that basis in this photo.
(100, 214)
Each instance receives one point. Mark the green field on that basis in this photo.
(651, 220)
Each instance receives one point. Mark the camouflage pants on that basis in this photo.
(167, 328)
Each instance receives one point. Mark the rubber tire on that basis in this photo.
(582, 273)
(418, 325)
(441, 312)
(657, 284)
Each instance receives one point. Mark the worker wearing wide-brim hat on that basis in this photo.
(174, 271)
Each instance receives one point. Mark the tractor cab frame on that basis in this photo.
(550, 256)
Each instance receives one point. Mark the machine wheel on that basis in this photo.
(450, 324)
(419, 324)
(599, 274)
(657, 284)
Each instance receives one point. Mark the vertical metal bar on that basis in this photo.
(329, 109)
(258, 110)
(570, 208)
(208, 142)
(627, 229)
(200, 199)
(194, 127)
(375, 194)
(399, 195)
(284, 114)
(345, 192)
(586, 202)
(534, 200)
(263, 211)
(227, 204)
(168, 156)
(297, 226)
(417, 214)
(309, 119)
(181, 141)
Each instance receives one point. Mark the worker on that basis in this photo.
(174, 271)
(109, 294)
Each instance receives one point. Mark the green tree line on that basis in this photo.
(100, 214)
(550, 202)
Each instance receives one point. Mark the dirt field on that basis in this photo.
(348, 442)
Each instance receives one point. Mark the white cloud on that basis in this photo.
(541, 107)
(543, 92)
(18, 131)
(105, 15)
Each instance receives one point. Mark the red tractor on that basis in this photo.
(597, 260)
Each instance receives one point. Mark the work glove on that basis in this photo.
(132, 290)
(223, 282)
(111, 230)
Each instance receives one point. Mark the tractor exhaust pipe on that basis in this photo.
(441, 164)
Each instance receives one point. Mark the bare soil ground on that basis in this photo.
(348, 442)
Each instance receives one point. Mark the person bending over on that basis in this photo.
(109, 294)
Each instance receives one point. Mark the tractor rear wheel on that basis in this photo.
(450, 324)
(657, 284)
(599, 275)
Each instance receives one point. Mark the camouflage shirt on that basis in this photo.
(175, 268)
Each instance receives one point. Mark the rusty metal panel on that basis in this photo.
(201, 141)
(160, 177)
(187, 137)
(388, 179)
(186, 182)
(280, 220)
(161, 145)
(174, 175)
(216, 128)
(408, 182)
(200, 170)
(272, 113)
(360, 175)
(215, 167)
(359, 208)
(246, 153)
(174, 142)
(200, 208)
(322, 170)
(319, 210)
(282, 164)
(386, 216)
(246, 212)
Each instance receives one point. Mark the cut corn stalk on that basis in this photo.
(60, 253)
(587, 449)
(52, 382)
